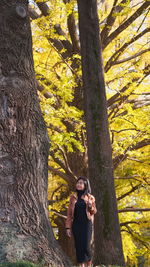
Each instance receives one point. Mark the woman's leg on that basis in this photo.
(82, 264)
(89, 263)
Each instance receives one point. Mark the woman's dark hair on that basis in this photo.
(86, 184)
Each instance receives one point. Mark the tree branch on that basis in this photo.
(140, 102)
(118, 159)
(111, 18)
(144, 100)
(116, 55)
(135, 177)
(56, 190)
(122, 130)
(124, 99)
(129, 192)
(141, 24)
(126, 24)
(112, 99)
(131, 222)
(132, 57)
(59, 44)
(32, 13)
(41, 88)
(133, 210)
(134, 159)
(58, 161)
(73, 33)
(59, 214)
(136, 236)
(141, 144)
(59, 173)
(66, 43)
(68, 172)
(44, 8)
(54, 128)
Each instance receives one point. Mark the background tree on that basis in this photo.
(108, 245)
(24, 225)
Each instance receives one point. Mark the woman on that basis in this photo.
(80, 219)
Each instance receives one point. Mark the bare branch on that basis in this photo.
(44, 8)
(56, 190)
(73, 33)
(129, 192)
(143, 20)
(126, 24)
(134, 159)
(41, 88)
(32, 13)
(55, 128)
(58, 161)
(141, 144)
(65, 61)
(68, 178)
(68, 172)
(122, 130)
(137, 103)
(135, 177)
(59, 173)
(131, 57)
(136, 236)
(66, 43)
(134, 210)
(58, 213)
(109, 22)
(111, 18)
(59, 44)
(116, 55)
(131, 222)
(144, 100)
(114, 98)
(118, 159)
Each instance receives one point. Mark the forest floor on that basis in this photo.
(29, 264)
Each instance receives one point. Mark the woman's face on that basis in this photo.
(80, 185)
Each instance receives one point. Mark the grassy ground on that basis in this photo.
(29, 264)
(19, 264)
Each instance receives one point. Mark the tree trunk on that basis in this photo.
(24, 146)
(108, 245)
(66, 242)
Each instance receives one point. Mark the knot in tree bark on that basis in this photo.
(21, 11)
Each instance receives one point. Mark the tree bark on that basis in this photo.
(66, 242)
(24, 147)
(108, 245)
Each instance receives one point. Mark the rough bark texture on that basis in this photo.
(108, 246)
(66, 242)
(25, 231)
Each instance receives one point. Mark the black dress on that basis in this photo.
(82, 231)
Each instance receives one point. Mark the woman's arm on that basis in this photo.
(68, 221)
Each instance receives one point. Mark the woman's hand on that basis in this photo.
(89, 204)
(68, 232)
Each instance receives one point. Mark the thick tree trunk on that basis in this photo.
(108, 246)
(25, 231)
(65, 242)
